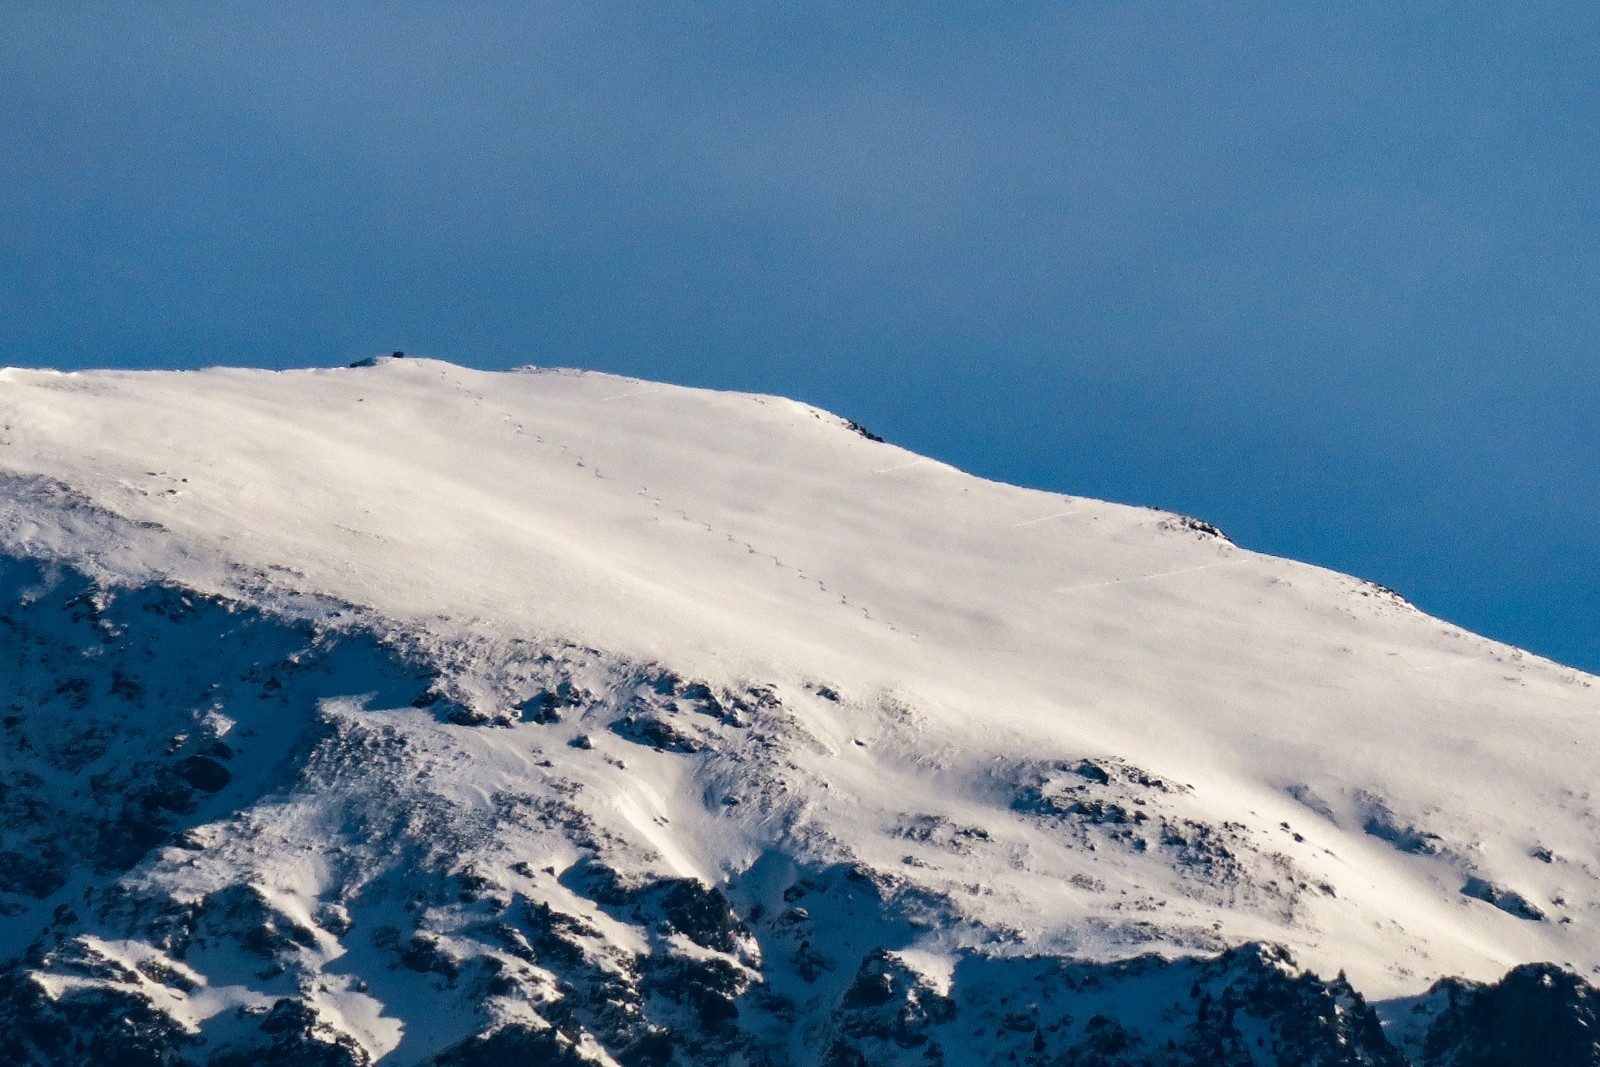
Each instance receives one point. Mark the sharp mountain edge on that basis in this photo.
(409, 714)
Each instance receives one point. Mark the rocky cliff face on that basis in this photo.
(300, 764)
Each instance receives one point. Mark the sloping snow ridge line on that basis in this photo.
(410, 714)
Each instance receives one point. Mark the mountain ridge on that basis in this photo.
(615, 640)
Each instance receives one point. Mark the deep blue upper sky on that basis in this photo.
(1325, 274)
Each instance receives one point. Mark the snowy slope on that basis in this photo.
(574, 629)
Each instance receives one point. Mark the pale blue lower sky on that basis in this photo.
(1326, 275)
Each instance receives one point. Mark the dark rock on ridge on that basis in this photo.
(1538, 1015)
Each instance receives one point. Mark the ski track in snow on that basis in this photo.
(1148, 577)
(1045, 518)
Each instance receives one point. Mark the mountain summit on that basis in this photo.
(409, 714)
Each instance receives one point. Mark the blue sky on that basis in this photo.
(1326, 275)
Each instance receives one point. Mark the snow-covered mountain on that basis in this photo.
(411, 714)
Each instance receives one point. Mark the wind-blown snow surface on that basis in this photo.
(556, 641)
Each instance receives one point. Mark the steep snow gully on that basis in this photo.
(410, 714)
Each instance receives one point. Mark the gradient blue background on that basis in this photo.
(1326, 275)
